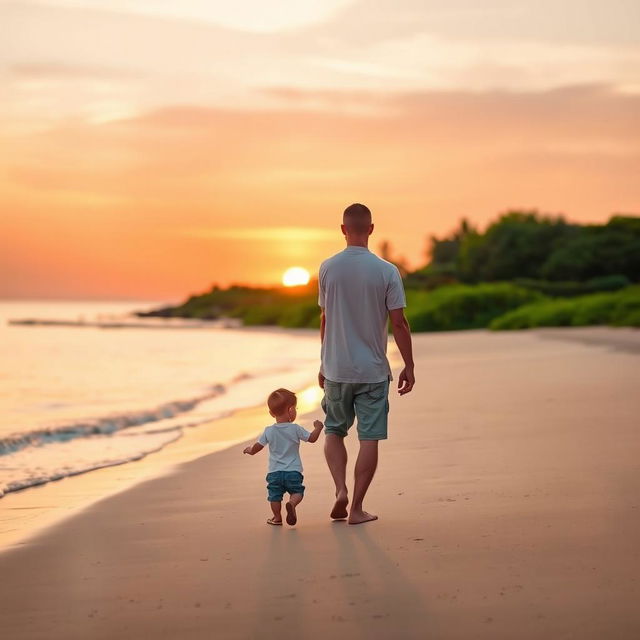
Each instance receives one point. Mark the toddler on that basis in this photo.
(285, 466)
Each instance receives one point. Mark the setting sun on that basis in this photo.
(295, 276)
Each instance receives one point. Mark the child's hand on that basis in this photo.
(247, 450)
(315, 434)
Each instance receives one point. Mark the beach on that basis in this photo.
(509, 502)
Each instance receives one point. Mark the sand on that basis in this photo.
(509, 504)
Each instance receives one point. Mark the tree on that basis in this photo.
(445, 251)
(598, 250)
(516, 245)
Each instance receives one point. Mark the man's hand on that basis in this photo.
(248, 450)
(321, 380)
(406, 381)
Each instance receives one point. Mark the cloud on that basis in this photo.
(244, 15)
(58, 70)
(589, 22)
(121, 62)
(583, 112)
(300, 157)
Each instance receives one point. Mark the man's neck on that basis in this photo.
(358, 242)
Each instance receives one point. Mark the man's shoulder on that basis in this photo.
(385, 264)
(327, 261)
(381, 266)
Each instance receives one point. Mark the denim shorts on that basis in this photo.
(280, 481)
(343, 402)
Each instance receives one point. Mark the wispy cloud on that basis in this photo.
(245, 15)
(69, 70)
(142, 52)
(264, 234)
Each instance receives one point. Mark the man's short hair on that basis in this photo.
(280, 400)
(357, 218)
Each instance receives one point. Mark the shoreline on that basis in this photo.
(29, 512)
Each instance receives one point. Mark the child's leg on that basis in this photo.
(276, 508)
(275, 491)
(294, 501)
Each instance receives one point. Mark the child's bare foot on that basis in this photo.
(358, 517)
(292, 518)
(275, 522)
(339, 511)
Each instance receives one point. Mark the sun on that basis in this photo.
(295, 276)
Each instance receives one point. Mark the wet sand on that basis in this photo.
(509, 504)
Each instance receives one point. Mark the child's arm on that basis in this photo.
(253, 449)
(317, 429)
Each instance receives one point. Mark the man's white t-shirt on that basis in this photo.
(357, 289)
(283, 439)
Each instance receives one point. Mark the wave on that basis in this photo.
(105, 425)
(153, 323)
(35, 477)
(60, 450)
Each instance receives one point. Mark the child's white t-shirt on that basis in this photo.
(283, 439)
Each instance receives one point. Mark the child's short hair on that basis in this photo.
(281, 399)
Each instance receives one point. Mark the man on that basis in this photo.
(358, 294)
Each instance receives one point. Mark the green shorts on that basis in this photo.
(343, 402)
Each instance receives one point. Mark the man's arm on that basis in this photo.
(253, 449)
(317, 429)
(402, 336)
(323, 322)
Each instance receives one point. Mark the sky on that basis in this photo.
(149, 149)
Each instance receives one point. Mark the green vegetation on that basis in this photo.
(621, 308)
(525, 270)
(294, 307)
(464, 306)
(533, 246)
(568, 289)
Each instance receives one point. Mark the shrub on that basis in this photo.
(546, 313)
(432, 277)
(264, 314)
(302, 315)
(569, 288)
(464, 306)
(621, 308)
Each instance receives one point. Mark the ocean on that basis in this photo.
(109, 388)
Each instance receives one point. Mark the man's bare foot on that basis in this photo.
(339, 511)
(358, 517)
(292, 518)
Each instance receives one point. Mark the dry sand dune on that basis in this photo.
(509, 504)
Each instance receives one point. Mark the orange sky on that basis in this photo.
(150, 155)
